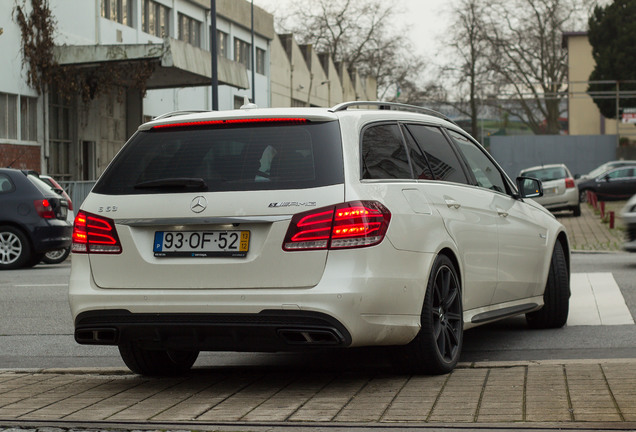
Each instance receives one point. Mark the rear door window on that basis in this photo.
(441, 157)
(227, 158)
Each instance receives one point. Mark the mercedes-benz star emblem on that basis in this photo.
(198, 204)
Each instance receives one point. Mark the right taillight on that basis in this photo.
(44, 209)
(348, 225)
(95, 234)
(569, 183)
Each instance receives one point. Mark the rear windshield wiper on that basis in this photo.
(175, 182)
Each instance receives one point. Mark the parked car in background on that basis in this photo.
(628, 215)
(285, 229)
(33, 219)
(59, 255)
(604, 168)
(613, 185)
(559, 189)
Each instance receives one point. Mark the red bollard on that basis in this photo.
(611, 220)
(602, 209)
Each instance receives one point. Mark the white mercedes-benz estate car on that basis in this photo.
(304, 228)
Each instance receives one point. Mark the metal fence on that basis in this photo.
(77, 190)
(580, 153)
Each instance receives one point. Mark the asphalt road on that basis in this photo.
(36, 329)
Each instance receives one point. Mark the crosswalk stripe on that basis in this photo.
(597, 300)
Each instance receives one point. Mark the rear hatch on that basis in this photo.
(208, 205)
(52, 205)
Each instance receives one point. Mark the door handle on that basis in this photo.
(452, 203)
(502, 213)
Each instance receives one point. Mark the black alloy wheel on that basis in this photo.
(437, 347)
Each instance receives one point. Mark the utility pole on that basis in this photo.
(213, 52)
(253, 62)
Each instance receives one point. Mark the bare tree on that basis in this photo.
(360, 33)
(472, 71)
(528, 59)
(513, 49)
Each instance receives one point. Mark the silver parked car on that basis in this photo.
(560, 192)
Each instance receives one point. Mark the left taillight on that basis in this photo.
(95, 234)
(44, 209)
(569, 183)
(348, 225)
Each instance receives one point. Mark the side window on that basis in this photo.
(383, 153)
(484, 170)
(421, 168)
(440, 156)
(6, 185)
(621, 173)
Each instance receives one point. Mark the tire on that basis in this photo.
(576, 211)
(556, 297)
(437, 347)
(15, 250)
(56, 256)
(34, 260)
(583, 196)
(156, 362)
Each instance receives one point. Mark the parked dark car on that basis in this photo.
(33, 219)
(613, 185)
(59, 255)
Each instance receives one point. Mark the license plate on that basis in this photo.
(201, 244)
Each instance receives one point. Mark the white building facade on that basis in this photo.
(74, 138)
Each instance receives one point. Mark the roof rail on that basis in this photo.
(394, 106)
(176, 113)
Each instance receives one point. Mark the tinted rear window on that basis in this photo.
(228, 158)
(547, 174)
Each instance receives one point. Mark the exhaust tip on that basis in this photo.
(100, 336)
(311, 336)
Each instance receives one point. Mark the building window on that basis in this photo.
(189, 30)
(118, 10)
(260, 61)
(59, 165)
(8, 116)
(28, 118)
(242, 53)
(222, 44)
(298, 103)
(156, 19)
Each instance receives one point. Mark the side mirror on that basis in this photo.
(529, 187)
(577, 176)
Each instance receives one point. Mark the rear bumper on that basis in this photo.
(362, 299)
(566, 201)
(270, 330)
(51, 235)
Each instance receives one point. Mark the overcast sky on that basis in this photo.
(427, 20)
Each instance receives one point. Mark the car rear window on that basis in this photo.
(547, 174)
(227, 158)
(43, 187)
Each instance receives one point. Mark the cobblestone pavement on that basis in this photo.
(590, 233)
(570, 394)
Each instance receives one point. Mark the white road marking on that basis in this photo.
(597, 300)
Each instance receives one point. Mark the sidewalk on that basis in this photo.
(549, 394)
(588, 232)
